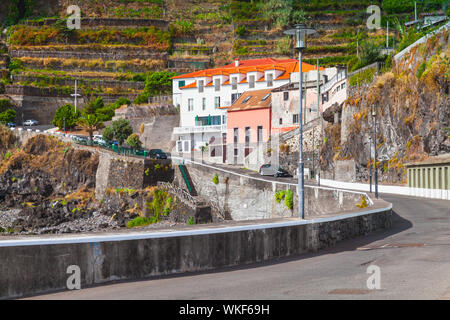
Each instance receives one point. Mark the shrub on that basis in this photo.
(216, 179)
(108, 134)
(241, 30)
(134, 142)
(8, 116)
(363, 203)
(67, 116)
(191, 221)
(421, 69)
(289, 199)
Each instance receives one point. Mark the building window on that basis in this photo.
(217, 85)
(181, 83)
(217, 102)
(343, 86)
(200, 85)
(236, 135)
(234, 97)
(224, 119)
(286, 95)
(190, 104)
(186, 146)
(260, 128)
(269, 80)
(281, 120)
(295, 118)
(204, 104)
(247, 135)
(325, 97)
(180, 146)
(251, 82)
(236, 152)
(234, 83)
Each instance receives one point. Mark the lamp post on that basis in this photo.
(76, 95)
(374, 115)
(300, 32)
(370, 163)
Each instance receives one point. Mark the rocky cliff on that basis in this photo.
(413, 115)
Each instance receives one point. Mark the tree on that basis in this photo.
(108, 133)
(90, 123)
(93, 106)
(67, 116)
(282, 13)
(122, 130)
(134, 142)
(8, 116)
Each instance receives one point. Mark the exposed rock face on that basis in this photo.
(413, 116)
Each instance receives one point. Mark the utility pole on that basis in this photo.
(415, 10)
(370, 163)
(76, 95)
(387, 36)
(320, 119)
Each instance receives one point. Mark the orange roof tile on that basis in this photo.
(192, 85)
(261, 65)
(253, 100)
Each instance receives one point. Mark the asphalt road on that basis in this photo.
(413, 256)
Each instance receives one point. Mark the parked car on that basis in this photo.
(157, 154)
(11, 125)
(80, 140)
(270, 170)
(96, 137)
(31, 122)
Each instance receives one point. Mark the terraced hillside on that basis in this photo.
(121, 42)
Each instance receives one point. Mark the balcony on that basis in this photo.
(200, 129)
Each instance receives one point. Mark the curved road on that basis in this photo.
(413, 256)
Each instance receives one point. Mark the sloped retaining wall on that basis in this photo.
(37, 266)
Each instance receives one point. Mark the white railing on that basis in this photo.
(200, 129)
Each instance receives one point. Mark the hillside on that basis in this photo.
(413, 107)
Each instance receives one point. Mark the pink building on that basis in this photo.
(248, 124)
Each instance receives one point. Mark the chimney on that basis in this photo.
(236, 63)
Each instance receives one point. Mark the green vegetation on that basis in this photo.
(160, 206)
(191, 221)
(363, 203)
(216, 179)
(134, 142)
(281, 12)
(365, 76)
(90, 123)
(288, 197)
(66, 117)
(156, 83)
(120, 131)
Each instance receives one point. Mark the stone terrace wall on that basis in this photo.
(107, 54)
(70, 82)
(110, 22)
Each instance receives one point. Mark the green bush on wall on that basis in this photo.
(216, 179)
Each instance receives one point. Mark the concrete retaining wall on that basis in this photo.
(40, 265)
(243, 198)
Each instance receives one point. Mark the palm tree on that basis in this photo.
(90, 123)
(204, 149)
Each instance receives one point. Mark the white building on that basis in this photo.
(204, 96)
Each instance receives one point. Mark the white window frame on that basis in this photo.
(191, 104)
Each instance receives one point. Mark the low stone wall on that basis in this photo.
(41, 265)
(115, 171)
(242, 198)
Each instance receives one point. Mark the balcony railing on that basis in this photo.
(200, 129)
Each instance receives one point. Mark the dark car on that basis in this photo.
(157, 154)
(270, 170)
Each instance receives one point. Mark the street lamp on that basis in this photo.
(374, 115)
(300, 32)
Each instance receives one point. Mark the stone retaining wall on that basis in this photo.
(109, 54)
(70, 82)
